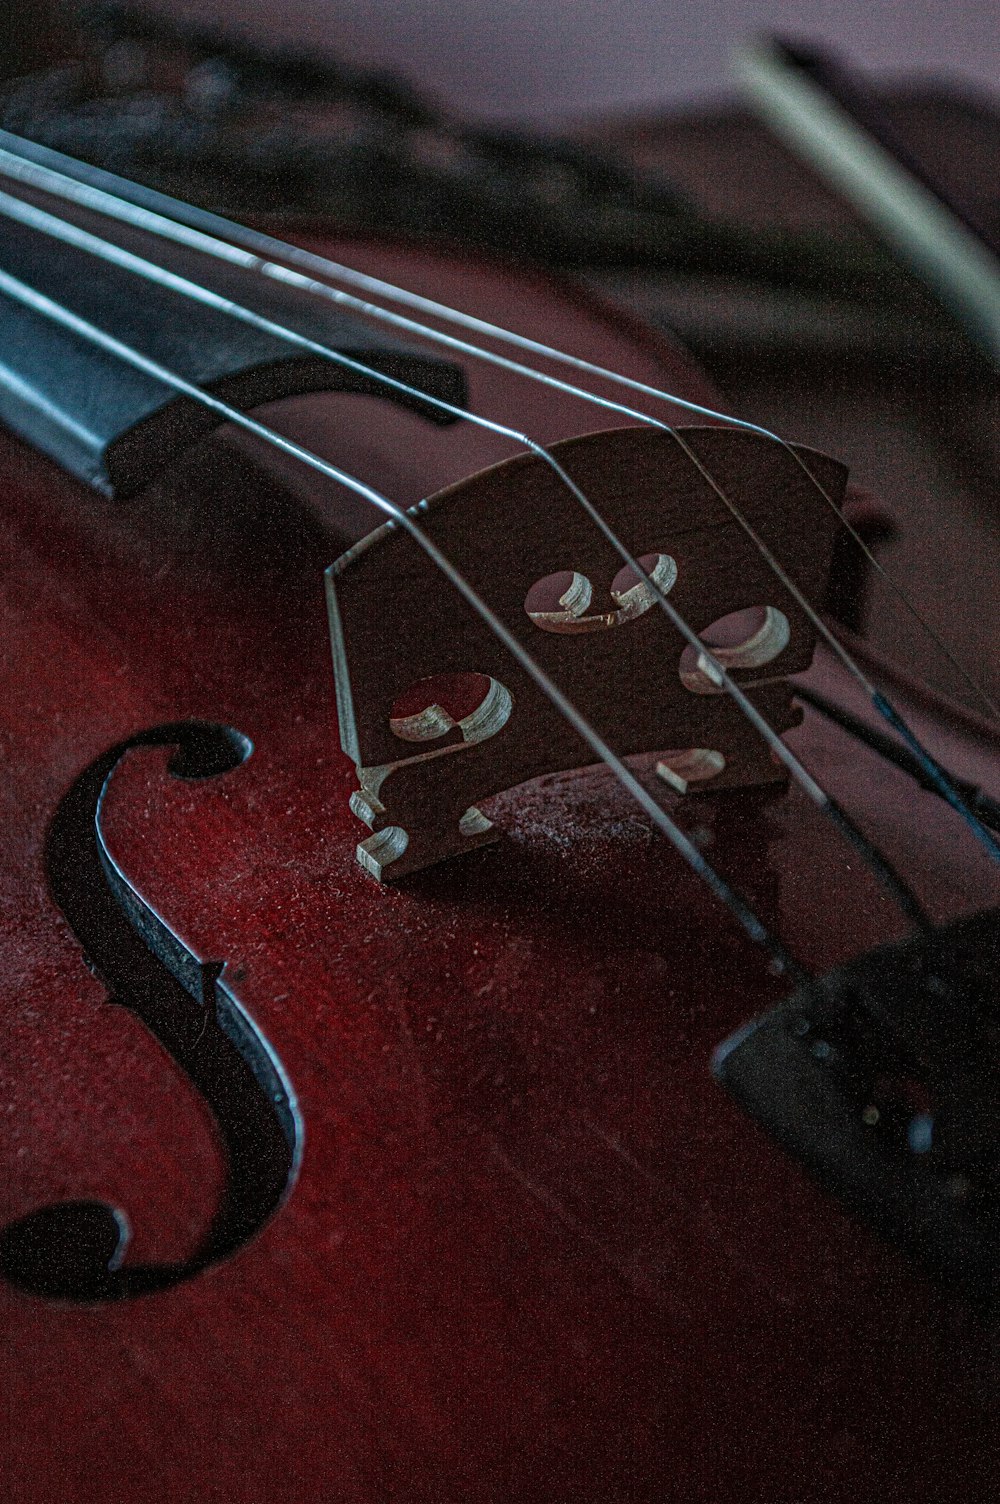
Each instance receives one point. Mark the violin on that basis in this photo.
(498, 1067)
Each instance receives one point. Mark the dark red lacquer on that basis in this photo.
(533, 1252)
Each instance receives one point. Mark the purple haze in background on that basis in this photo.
(542, 59)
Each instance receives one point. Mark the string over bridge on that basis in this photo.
(401, 639)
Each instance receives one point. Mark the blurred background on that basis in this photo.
(542, 60)
(615, 146)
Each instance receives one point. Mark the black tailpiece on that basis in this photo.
(883, 1079)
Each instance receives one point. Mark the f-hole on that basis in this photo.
(76, 1250)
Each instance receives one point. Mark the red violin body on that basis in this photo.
(503, 1238)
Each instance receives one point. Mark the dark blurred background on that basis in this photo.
(546, 59)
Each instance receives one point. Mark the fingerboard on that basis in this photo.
(115, 426)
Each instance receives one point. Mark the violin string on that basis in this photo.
(26, 160)
(118, 206)
(107, 204)
(48, 224)
(888, 748)
(783, 962)
(125, 209)
(175, 228)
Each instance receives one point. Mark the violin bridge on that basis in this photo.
(438, 718)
